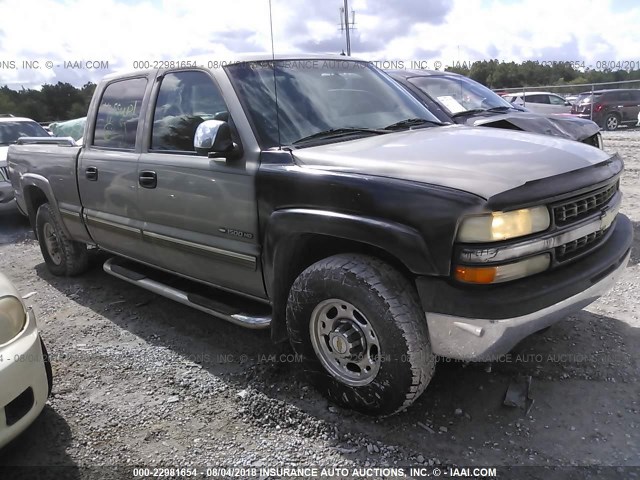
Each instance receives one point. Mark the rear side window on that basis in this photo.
(185, 100)
(537, 98)
(119, 113)
(624, 96)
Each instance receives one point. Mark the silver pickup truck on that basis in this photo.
(314, 196)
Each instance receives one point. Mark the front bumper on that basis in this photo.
(23, 382)
(482, 323)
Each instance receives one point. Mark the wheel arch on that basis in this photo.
(36, 191)
(297, 238)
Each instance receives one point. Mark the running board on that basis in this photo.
(193, 300)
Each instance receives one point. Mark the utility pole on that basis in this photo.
(347, 25)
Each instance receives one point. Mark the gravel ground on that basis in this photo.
(140, 380)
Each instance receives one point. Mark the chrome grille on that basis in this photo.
(574, 248)
(579, 207)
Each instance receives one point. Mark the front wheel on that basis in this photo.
(359, 327)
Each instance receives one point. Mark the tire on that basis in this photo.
(611, 122)
(63, 256)
(47, 367)
(351, 311)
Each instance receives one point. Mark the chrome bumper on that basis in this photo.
(485, 340)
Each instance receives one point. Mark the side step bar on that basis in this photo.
(199, 302)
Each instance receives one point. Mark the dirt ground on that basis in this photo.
(143, 381)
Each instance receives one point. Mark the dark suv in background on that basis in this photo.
(611, 108)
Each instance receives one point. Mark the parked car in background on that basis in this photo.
(25, 371)
(571, 98)
(455, 98)
(12, 128)
(540, 102)
(611, 108)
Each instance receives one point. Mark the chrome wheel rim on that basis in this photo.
(612, 123)
(345, 342)
(52, 243)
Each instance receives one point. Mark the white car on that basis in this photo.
(540, 102)
(25, 370)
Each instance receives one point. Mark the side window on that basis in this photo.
(554, 100)
(538, 98)
(625, 96)
(118, 114)
(185, 100)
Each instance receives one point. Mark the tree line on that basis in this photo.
(61, 101)
(497, 75)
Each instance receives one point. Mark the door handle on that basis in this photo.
(148, 179)
(91, 173)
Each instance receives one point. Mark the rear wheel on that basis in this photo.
(361, 331)
(63, 256)
(611, 122)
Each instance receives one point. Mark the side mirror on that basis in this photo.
(213, 138)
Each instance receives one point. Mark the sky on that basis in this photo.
(76, 41)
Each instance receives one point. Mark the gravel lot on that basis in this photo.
(140, 380)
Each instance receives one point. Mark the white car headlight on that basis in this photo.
(496, 226)
(12, 318)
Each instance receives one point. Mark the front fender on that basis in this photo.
(400, 241)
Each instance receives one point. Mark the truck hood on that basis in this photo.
(565, 126)
(482, 161)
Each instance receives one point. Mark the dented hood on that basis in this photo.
(483, 161)
(566, 126)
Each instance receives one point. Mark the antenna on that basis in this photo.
(275, 83)
(346, 24)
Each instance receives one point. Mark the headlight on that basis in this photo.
(495, 226)
(12, 318)
(503, 273)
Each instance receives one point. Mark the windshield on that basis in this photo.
(316, 96)
(459, 94)
(13, 130)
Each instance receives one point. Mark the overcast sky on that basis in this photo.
(122, 32)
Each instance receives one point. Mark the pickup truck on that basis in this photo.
(314, 196)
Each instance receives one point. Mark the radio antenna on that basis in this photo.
(275, 83)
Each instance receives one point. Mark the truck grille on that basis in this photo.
(579, 207)
(572, 249)
(5, 172)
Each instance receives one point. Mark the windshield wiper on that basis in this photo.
(338, 132)
(411, 122)
(468, 112)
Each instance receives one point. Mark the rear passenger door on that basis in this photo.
(200, 213)
(635, 102)
(108, 167)
(628, 106)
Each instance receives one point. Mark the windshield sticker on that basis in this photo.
(451, 103)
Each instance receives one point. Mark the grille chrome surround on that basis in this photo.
(579, 207)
